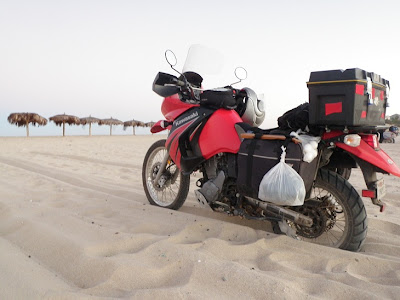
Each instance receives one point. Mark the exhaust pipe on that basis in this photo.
(280, 211)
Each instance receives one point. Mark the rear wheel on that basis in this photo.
(338, 213)
(172, 188)
(344, 172)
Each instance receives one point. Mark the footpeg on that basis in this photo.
(200, 198)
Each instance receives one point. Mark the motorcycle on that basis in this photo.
(206, 131)
(388, 135)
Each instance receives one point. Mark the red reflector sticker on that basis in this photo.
(333, 108)
(382, 115)
(382, 96)
(363, 114)
(373, 93)
(368, 193)
(360, 89)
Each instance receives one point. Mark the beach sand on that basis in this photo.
(75, 223)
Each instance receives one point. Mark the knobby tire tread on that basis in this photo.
(358, 221)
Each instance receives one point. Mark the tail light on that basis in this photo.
(370, 139)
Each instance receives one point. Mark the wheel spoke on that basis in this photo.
(331, 225)
(340, 228)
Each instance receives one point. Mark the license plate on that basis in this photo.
(380, 189)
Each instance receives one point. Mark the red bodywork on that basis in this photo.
(172, 107)
(173, 144)
(218, 134)
(376, 157)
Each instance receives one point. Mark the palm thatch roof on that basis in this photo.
(62, 119)
(110, 122)
(149, 124)
(65, 119)
(89, 120)
(130, 123)
(24, 119)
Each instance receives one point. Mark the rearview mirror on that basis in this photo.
(171, 58)
(240, 73)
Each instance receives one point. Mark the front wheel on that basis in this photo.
(338, 213)
(172, 188)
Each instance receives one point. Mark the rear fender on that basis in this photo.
(377, 157)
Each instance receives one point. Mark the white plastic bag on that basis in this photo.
(282, 185)
(309, 144)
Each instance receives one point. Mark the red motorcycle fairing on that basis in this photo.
(172, 107)
(219, 134)
(183, 141)
(376, 157)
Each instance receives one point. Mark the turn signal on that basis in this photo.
(352, 140)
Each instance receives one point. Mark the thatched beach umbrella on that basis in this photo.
(23, 119)
(110, 122)
(89, 120)
(62, 119)
(133, 123)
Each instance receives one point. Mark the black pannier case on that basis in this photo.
(256, 157)
(340, 97)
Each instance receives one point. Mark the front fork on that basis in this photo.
(168, 178)
(161, 169)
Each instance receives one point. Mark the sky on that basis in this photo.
(99, 58)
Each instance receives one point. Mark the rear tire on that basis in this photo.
(338, 212)
(174, 187)
(344, 172)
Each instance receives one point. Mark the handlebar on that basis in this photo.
(180, 83)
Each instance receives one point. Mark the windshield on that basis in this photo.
(203, 61)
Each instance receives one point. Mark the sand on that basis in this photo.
(75, 223)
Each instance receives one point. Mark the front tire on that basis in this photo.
(338, 212)
(172, 189)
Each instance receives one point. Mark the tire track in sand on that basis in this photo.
(125, 192)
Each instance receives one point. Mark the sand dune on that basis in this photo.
(75, 223)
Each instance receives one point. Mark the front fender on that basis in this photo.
(377, 157)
